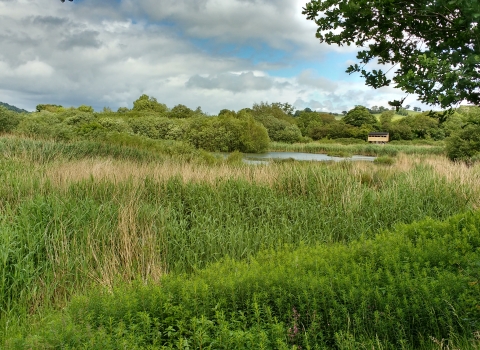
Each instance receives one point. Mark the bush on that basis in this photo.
(115, 124)
(75, 117)
(86, 109)
(235, 158)
(8, 120)
(145, 126)
(43, 125)
(465, 144)
(227, 134)
(254, 138)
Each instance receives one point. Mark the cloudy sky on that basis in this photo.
(210, 53)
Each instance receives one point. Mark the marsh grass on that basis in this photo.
(415, 287)
(72, 221)
(358, 149)
(132, 148)
(384, 160)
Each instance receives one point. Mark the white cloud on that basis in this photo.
(231, 82)
(33, 69)
(310, 78)
(210, 53)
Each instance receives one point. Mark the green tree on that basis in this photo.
(386, 117)
(464, 144)
(86, 109)
(359, 116)
(286, 107)
(402, 111)
(275, 109)
(279, 129)
(50, 108)
(254, 138)
(421, 125)
(146, 103)
(433, 45)
(398, 131)
(181, 111)
(122, 110)
(382, 109)
(306, 119)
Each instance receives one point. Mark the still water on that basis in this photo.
(263, 158)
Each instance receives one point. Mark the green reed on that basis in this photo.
(358, 149)
(415, 287)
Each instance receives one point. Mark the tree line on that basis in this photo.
(248, 130)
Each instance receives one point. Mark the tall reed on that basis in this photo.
(415, 287)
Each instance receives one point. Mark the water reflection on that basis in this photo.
(264, 158)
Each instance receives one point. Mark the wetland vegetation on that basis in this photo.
(118, 240)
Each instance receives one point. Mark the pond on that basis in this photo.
(264, 158)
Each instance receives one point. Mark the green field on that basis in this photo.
(108, 246)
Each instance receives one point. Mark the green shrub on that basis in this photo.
(254, 138)
(8, 119)
(235, 157)
(77, 118)
(465, 145)
(86, 109)
(181, 112)
(146, 126)
(115, 124)
(44, 125)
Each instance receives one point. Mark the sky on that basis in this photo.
(214, 54)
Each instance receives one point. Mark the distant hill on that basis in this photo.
(13, 108)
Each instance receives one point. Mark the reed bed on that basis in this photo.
(358, 149)
(411, 288)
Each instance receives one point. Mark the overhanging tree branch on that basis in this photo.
(435, 43)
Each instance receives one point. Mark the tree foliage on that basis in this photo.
(8, 119)
(359, 116)
(146, 103)
(464, 145)
(433, 45)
